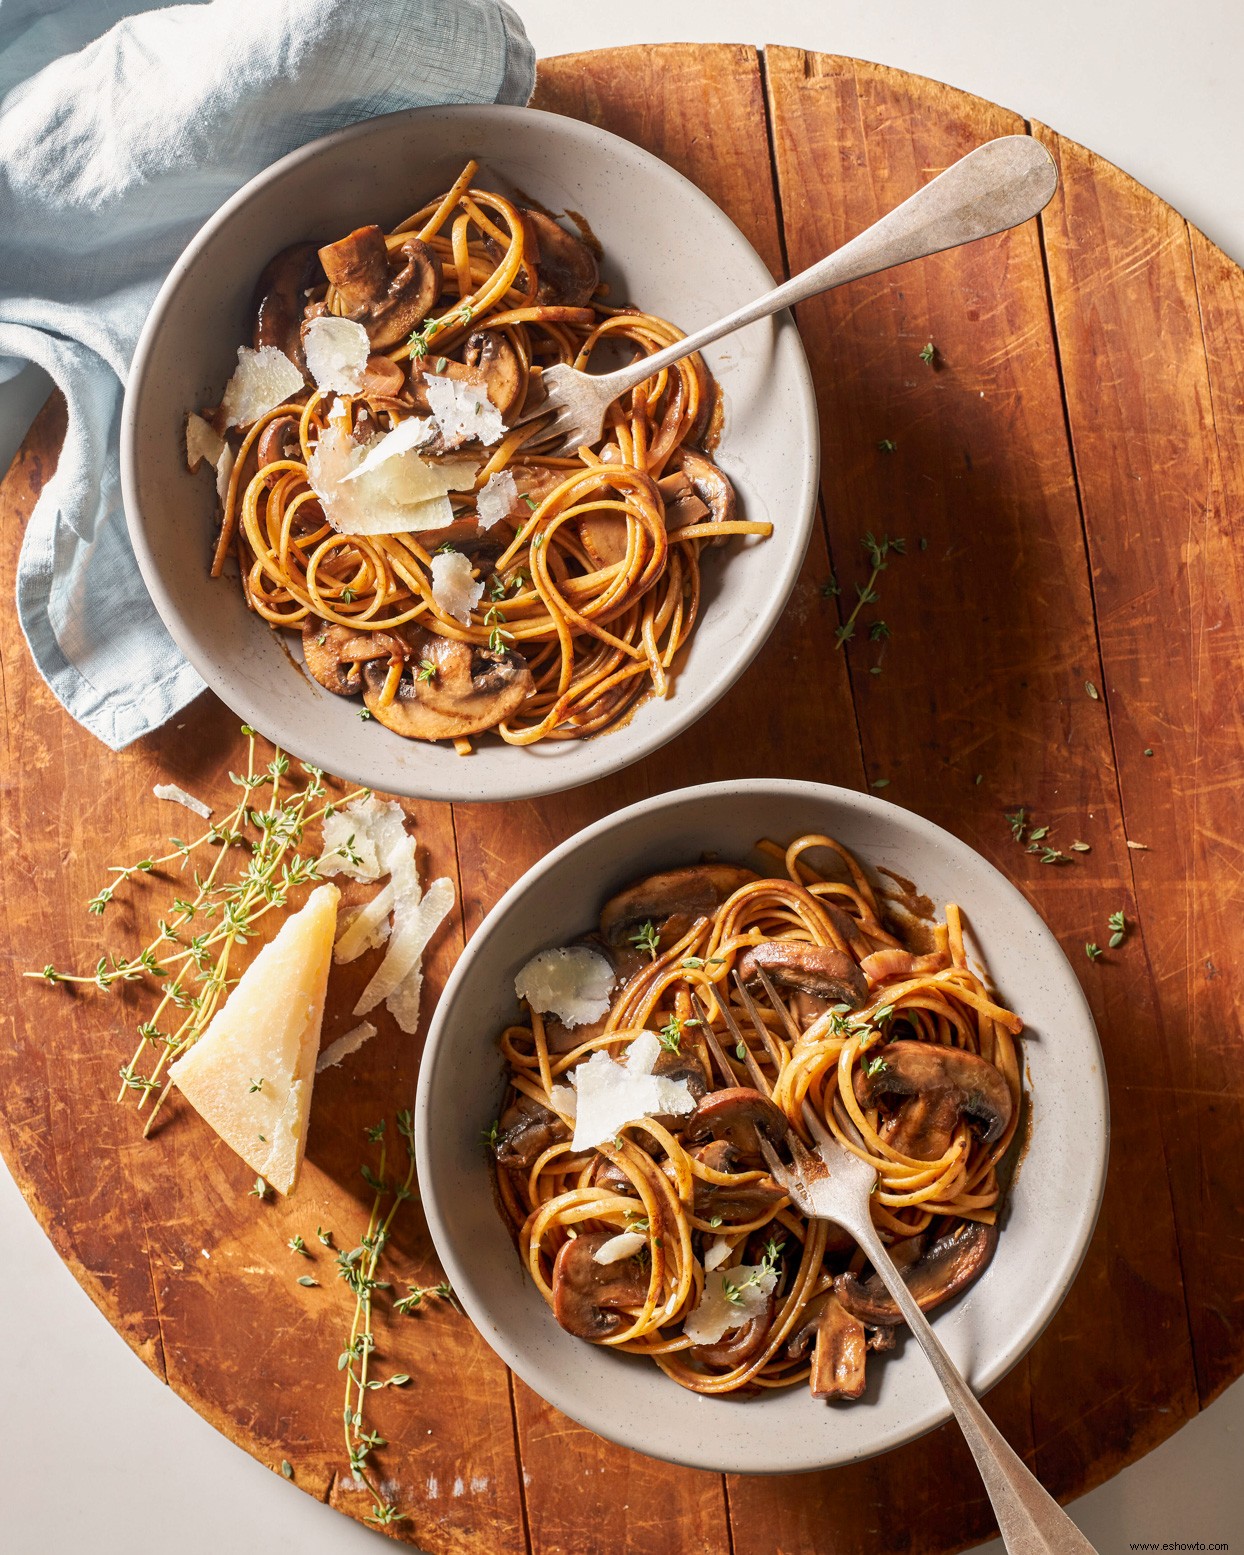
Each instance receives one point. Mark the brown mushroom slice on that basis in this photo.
(604, 537)
(280, 297)
(489, 353)
(731, 1203)
(741, 1117)
(388, 304)
(468, 690)
(813, 969)
(943, 1269)
(279, 440)
(696, 890)
(935, 1086)
(383, 378)
(709, 489)
(566, 268)
(588, 1297)
(739, 1345)
(334, 655)
(525, 1130)
(839, 1350)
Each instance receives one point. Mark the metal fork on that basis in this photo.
(833, 1184)
(999, 185)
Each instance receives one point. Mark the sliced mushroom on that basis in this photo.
(279, 440)
(605, 537)
(525, 1130)
(483, 547)
(946, 1267)
(696, 890)
(813, 969)
(280, 298)
(741, 1117)
(936, 1086)
(489, 353)
(388, 304)
(588, 1296)
(839, 1349)
(709, 484)
(731, 1203)
(467, 690)
(383, 378)
(335, 655)
(566, 267)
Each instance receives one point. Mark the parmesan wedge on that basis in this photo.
(249, 1076)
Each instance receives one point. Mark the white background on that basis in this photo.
(96, 1454)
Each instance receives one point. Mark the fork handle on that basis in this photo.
(999, 185)
(1030, 1520)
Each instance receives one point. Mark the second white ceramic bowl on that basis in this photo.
(1048, 1216)
(668, 248)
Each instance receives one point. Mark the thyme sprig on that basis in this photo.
(187, 963)
(878, 553)
(360, 1269)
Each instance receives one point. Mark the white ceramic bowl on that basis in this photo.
(1049, 1214)
(667, 246)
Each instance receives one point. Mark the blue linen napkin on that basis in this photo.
(122, 128)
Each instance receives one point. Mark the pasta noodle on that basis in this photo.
(591, 582)
(909, 1044)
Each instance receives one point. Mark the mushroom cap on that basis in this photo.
(334, 654)
(737, 1114)
(938, 1085)
(280, 297)
(525, 1130)
(709, 483)
(814, 969)
(383, 378)
(734, 1203)
(472, 689)
(388, 304)
(942, 1270)
(489, 353)
(278, 440)
(696, 890)
(566, 268)
(587, 1294)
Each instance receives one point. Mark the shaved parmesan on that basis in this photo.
(403, 1002)
(729, 1300)
(262, 380)
(337, 352)
(250, 1074)
(717, 1253)
(413, 926)
(403, 495)
(574, 984)
(414, 432)
(462, 411)
(564, 1100)
(625, 1245)
(202, 442)
(453, 587)
(176, 795)
(344, 1046)
(497, 498)
(359, 837)
(224, 469)
(367, 928)
(608, 1096)
(642, 1055)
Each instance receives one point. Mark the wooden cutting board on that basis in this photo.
(1066, 636)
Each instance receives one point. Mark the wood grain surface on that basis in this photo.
(1066, 474)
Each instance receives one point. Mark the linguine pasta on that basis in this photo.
(909, 1044)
